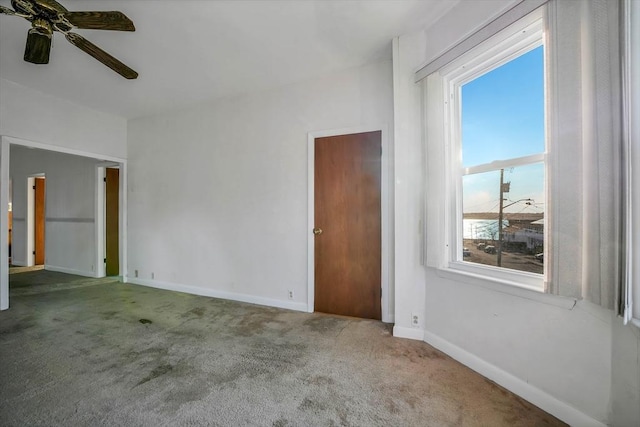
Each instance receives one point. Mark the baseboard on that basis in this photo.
(195, 290)
(543, 400)
(411, 333)
(70, 271)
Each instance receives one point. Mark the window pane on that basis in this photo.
(503, 111)
(522, 237)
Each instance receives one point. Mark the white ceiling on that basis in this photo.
(190, 51)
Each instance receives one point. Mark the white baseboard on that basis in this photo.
(195, 290)
(17, 263)
(543, 400)
(70, 271)
(411, 333)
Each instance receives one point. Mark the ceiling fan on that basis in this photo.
(47, 16)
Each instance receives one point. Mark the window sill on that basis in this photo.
(506, 287)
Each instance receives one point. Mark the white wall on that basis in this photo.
(35, 116)
(625, 380)
(560, 359)
(217, 194)
(409, 187)
(69, 208)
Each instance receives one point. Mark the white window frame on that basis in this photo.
(514, 41)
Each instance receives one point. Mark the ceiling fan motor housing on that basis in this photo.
(42, 26)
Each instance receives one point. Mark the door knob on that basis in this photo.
(317, 231)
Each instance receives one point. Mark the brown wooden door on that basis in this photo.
(10, 231)
(348, 211)
(112, 200)
(39, 198)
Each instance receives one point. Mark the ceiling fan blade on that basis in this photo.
(38, 47)
(116, 21)
(102, 56)
(6, 10)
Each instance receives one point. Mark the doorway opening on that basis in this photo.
(112, 222)
(72, 224)
(36, 212)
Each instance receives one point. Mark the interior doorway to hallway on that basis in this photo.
(73, 226)
(112, 223)
(36, 212)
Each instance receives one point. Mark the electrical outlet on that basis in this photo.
(135, 273)
(290, 294)
(415, 320)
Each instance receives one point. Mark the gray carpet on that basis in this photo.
(107, 353)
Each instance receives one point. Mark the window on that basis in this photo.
(502, 146)
(495, 96)
(551, 160)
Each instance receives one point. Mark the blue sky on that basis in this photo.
(502, 118)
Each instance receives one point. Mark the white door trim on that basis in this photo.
(5, 143)
(4, 224)
(386, 184)
(100, 215)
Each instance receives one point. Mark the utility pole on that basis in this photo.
(504, 188)
(500, 215)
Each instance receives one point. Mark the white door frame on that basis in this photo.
(4, 224)
(5, 143)
(386, 186)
